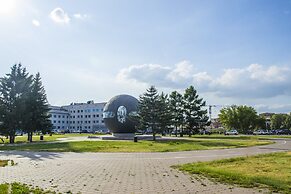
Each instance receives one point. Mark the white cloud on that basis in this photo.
(158, 75)
(36, 23)
(81, 16)
(276, 108)
(253, 81)
(58, 15)
(182, 71)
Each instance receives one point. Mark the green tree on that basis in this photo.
(14, 91)
(278, 121)
(242, 118)
(261, 123)
(37, 108)
(164, 114)
(176, 109)
(148, 110)
(195, 117)
(287, 123)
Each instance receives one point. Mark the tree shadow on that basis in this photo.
(32, 155)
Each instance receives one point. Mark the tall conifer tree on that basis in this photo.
(14, 91)
(195, 116)
(148, 110)
(176, 109)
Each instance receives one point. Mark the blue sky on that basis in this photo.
(233, 52)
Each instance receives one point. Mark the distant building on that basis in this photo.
(215, 123)
(59, 118)
(78, 117)
(268, 117)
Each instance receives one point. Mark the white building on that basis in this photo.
(80, 117)
(59, 118)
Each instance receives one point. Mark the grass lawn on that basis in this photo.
(18, 188)
(271, 170)
(54, 137)
(242, 137)
(3, 163)
(130, 146)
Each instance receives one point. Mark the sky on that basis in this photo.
(232, 52)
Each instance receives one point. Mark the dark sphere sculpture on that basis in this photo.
(119, 113)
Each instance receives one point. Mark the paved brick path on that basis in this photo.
(122, 172)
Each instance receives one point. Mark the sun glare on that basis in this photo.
(7, 6)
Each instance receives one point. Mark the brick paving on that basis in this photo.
(122, 172)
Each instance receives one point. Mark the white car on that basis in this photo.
(231, 132)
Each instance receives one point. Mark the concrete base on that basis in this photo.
(127, 136)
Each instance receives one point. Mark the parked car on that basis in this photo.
(261, 132)
(284, 132)
(231, 132)
(205, 132)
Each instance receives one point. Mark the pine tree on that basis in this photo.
(14, 90)
(164, 114)
(176, 109)
(195, 116)
(37, 118)
(148, 110)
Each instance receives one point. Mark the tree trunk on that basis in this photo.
(154, 136)
(11, 138)
(30, 136)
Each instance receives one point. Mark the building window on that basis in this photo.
(55, 121)
(63, 116)
(78, 116)
(59, 121)
(81, 110)
(78, 111)
(89, 116)
(97, 115)
(59, 116)
(63, 121)
(88, 121)
(55, 116)
(81, 116)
